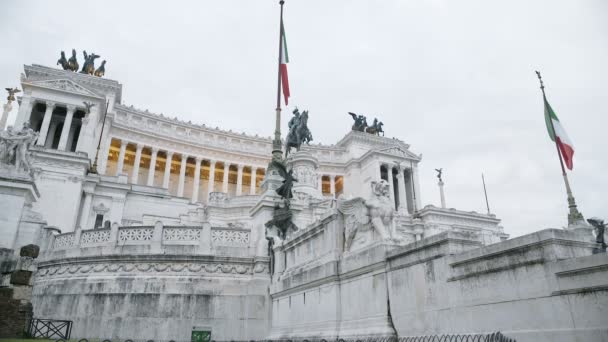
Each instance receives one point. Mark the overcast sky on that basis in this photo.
(454, 79)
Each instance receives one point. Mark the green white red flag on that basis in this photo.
(284, 61)
(557, 133)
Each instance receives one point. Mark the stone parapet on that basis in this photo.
(148, 240)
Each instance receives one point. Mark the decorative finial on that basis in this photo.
(542, 86)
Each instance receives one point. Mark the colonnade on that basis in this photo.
(183, 161)
(402, 188)
(51, 120)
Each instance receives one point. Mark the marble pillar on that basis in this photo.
(225, 180)
(182, 176)
(121, 157)
(391, 183)
(152, 169)
(239, 180)
(135, 173)
(254, 179)
(46, 123)
(167, 175)
(197, 178)
(65, 132)
(401, 184)
(210, 188)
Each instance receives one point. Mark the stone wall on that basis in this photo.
(161, 299)
(16, 290)
(544, 286)
(154, 282)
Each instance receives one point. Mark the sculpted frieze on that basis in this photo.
(186, 268)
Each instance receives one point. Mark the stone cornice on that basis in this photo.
(430, 210)
(370, 139)
(36, 72)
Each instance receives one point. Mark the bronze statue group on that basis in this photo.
(87, 68)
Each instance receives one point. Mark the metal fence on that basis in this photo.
(491, 337)
(50, 328)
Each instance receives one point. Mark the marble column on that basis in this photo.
(401, 184)
(25, 111)
(332, 185)
(167, 176)
(182, 176)
(239, 180)
(121, 157)
(65, 132)
(85, 123)
(225, 180)
(152, 169)
(50, 135)
(46, 123)
(135, 173)
(197, 178)
(254, 179)
(211, 177)
(86, 208)
(391, 183)
(416, 185)
(6, 108)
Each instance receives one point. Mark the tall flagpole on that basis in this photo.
(485, 192)
(94, 167)
(277, 147)
(575, 218)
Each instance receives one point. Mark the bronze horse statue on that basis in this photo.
(63, 62)
(376, 128)
(298, 134)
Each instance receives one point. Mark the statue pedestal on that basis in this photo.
(305, 166)
(271, 182)
(17, 192)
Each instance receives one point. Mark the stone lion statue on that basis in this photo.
(363, 219)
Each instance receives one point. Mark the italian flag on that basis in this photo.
(284, 61)
(559, 134)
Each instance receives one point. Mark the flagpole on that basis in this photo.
(485, 192)
(277, 148)
(103, 124)
(574, 216)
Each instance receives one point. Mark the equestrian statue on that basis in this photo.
(298, 131)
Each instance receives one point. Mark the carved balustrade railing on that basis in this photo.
(63, 241)
(180, 235)
(159, 235)
(231, 237)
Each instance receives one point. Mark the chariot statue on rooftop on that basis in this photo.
(73, 62)
(360, 123)
(63, 62)
(89, 63)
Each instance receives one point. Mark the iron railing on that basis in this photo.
(50, 328)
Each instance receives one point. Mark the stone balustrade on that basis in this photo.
(204, 237)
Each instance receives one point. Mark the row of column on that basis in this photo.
(401, 181)
(67, 124)
(182, 171)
